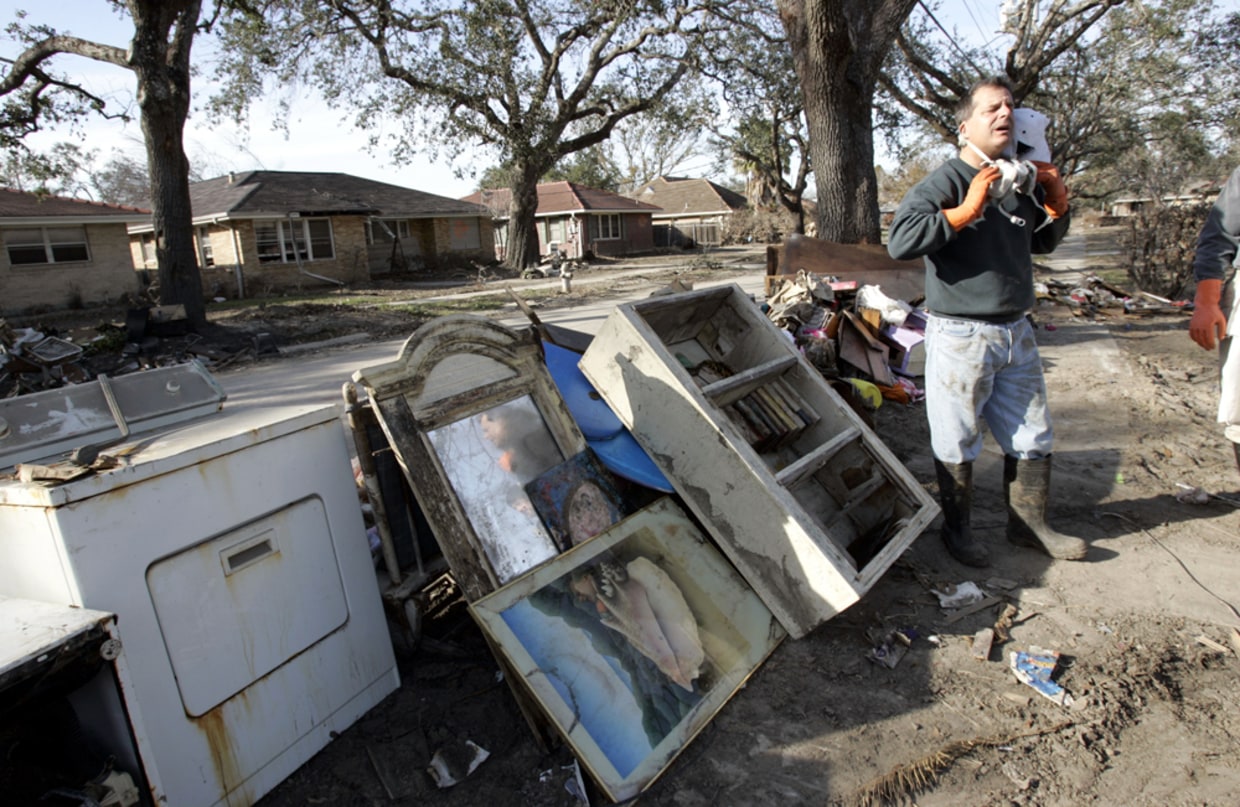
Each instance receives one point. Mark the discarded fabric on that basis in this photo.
(959, 595)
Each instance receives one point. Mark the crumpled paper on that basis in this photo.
(1034, 668)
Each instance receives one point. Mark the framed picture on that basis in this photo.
(577, 499)
(488, 458)
(631, 641)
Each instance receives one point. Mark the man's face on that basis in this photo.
(989, 126)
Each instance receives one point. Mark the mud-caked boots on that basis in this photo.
(956, 497)
(1026, 486)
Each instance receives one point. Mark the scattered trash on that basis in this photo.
(982, 641)
(1194, 495)
(959, 595)
(1003, 625)
(871, 395)
(575, 785)
(891, 311)
(452, 763)
(1035, 668)
(1191, 495)
(893, 646)
(1021, 781)
(1217, 647)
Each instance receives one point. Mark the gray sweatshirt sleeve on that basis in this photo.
(1217, 244)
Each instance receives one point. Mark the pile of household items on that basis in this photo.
(637, 519)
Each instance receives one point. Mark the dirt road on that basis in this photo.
(1157, 715)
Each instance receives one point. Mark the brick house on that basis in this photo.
(581, 221)
(60, 253)
(694, 211)
(262, 231)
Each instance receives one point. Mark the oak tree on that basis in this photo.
(838, 48)
(530, 81)
(159, 57)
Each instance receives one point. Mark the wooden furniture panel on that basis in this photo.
(796, 489)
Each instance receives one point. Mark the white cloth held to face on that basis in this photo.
(1030, 135)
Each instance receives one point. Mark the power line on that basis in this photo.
(951, 39)
(969, 8)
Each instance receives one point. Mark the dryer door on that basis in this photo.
(238, 605)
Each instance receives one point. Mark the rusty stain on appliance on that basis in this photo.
(214, 726)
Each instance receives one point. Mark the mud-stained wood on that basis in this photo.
(793, 548)
(411, 404)
(867, 264)
(738, 386)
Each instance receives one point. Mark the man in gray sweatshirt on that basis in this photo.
(977, 220)
(1214, 269)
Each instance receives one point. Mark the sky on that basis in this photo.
(318, 139)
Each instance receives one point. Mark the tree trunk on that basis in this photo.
(838, 47)
(523, 250)
(842, 147)
(163, 32)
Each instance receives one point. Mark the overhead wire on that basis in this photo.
(969, 8)
(951, 39)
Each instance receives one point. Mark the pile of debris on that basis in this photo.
(42, 358)
(868, 345)
(1093, 296)
(31, 360)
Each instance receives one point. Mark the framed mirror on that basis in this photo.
(473, 416)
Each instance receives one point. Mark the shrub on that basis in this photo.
(1160, 242)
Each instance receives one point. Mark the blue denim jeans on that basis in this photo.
(980, 370)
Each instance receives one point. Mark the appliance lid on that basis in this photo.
(50, 422)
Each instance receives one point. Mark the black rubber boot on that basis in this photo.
(1026, 486)
(956, 497)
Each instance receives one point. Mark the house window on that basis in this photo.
(291, 241)
(605, 227)
(30, 245)
(383, 231)
(206, 256)
(555, 230)
(149, 257)
(464, 234)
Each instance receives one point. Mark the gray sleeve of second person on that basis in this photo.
(1217, 244)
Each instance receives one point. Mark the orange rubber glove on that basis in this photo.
(1208, 322)
(974, 204)
(1055, 194)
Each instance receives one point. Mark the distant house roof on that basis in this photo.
(21, 207)
(681, 196)
(276, 194)
(559, 198)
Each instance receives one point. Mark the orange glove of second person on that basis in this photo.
(974, 204)
(1208, 322)
(1054, 193)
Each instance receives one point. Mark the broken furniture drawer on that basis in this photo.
(799, 493)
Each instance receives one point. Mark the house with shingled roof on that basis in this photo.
(261, 231)
(695, 211)
(58, 253)
(581, 222)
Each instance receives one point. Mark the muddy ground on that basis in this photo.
(1142, 626)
